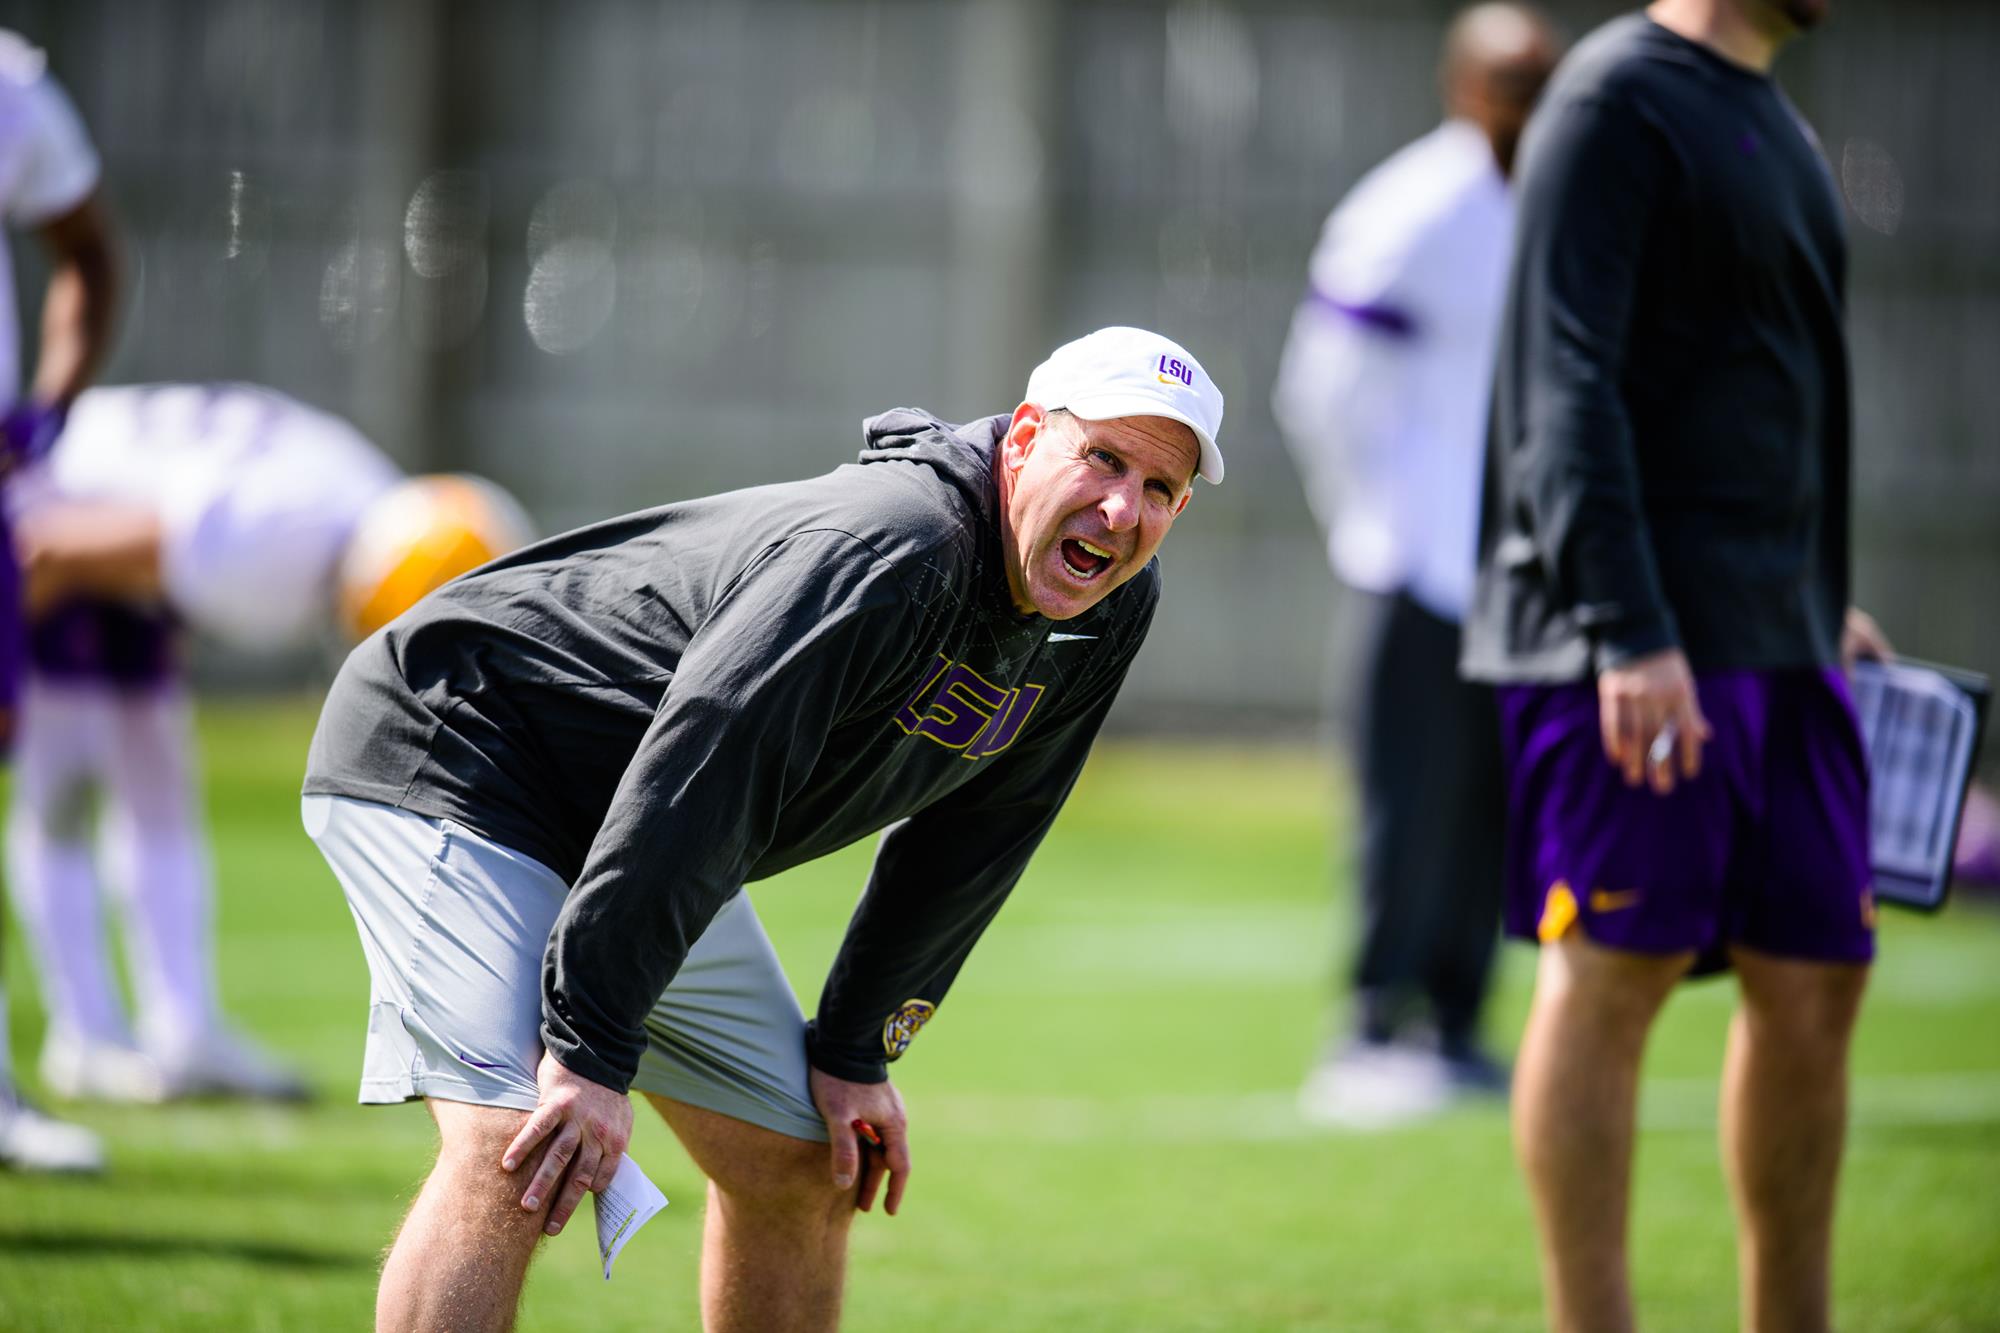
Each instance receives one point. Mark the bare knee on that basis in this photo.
(792, 1187)
(471, 1142)
(1609, 988)
(760, 1175)
(1800, 1003)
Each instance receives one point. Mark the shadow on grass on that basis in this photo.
(381, 1187)
(94, 1245)
(1975, 1138)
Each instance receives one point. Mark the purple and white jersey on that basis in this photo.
(1382, 390)
(256, 493)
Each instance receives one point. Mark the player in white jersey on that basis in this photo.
(244, 515)
(48, 186)
(1382, 394)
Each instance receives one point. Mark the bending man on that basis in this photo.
(544, 788)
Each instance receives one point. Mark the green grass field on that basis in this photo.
(1102, 1113)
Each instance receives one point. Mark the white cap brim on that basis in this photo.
(1111, 406)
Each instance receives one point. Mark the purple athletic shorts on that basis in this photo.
(1768, 847)
(103, 642)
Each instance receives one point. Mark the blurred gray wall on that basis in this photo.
(615, 253)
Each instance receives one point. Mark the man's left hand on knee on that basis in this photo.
(853, 1111)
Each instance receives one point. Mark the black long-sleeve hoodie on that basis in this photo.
(665, 706)
(1669, 461)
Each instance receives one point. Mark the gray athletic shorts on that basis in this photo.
(454, 927)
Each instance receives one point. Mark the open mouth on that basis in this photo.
(1084, 560)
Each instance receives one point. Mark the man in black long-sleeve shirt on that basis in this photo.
(544, 787)
(1663, 601)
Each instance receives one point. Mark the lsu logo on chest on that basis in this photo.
(962, 710)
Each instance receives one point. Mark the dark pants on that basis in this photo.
(1433, 814)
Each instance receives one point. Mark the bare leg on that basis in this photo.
(1784, 1118)
(462, 1254)
(1575, 1103)
(774, 1247)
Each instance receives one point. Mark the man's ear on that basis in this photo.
(1186, 495)
(1022, 432)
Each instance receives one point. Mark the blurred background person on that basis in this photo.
(49, 186)
(1382, 396)
(265, 524)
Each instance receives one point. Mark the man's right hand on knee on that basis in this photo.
(587, 1127)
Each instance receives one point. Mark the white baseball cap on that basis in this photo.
(1126, 372)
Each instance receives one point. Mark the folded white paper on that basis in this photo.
(622, 1208)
